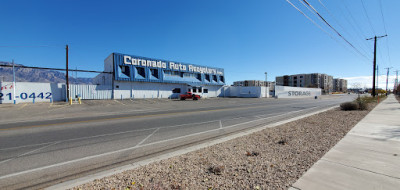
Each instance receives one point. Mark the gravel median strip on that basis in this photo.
(270, 159)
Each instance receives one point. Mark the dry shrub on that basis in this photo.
(347, 106)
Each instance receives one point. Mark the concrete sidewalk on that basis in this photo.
(368, 157)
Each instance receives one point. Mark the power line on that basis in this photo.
(24, 46)
(311, 19)
(383, 18)
(353, 19)
(316, 24)
(384, 27)
(353, 23)
(366, 14)
(337, 21)
(55, 69)
(338, 33)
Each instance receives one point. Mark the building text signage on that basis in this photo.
(299, 93)
(128, 60)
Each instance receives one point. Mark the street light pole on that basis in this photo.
(266, 76)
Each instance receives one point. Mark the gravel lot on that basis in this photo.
(271, 159)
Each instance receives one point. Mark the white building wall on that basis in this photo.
(247, 91)
(127, 90)
(29, 92)
(296, 92)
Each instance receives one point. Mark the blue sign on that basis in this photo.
(142, 69)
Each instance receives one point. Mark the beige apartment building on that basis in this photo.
(269, 84)
(312, 80)
(339, 85)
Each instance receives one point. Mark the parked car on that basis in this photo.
(189, 95)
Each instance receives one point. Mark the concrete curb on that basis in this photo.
(89, 178)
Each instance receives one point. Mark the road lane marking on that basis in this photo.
(30, 152)
(22, 106)
(141, 130)
(119, 102)
(150, 110)
(141, 142)
(128, 117)
(132, 148)
(109, 134)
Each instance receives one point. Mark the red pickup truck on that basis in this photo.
(189, 95)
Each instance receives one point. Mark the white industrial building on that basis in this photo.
(141, 77)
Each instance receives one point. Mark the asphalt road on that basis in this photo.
(35, 154)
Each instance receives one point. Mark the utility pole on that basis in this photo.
(373, 73)
(15, 101)
(396, 81)
(387, 79)
(66, 76)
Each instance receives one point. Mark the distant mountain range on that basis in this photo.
(37, 75)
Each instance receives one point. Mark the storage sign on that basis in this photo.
(296, 92)
(299, 93)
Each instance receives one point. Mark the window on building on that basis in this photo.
(215, 78)
(141, 71)
(301, 77)
(205, 91)
(207, 77)
(154, 73)
(221, 78)
(125, 70)
(198, 76)
(200, 89)
(176, 90)
(194, 89)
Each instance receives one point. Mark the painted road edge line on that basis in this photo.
(76, 182)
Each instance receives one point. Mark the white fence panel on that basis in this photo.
(90, 92)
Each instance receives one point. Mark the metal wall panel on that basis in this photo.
(90, 92)
(30, 92)
(119, 61)
(247, 91)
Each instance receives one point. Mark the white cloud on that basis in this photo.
(366, 81)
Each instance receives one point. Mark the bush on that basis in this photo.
(349, 106)
(362, 105)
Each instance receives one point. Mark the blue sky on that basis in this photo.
(246, 38)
